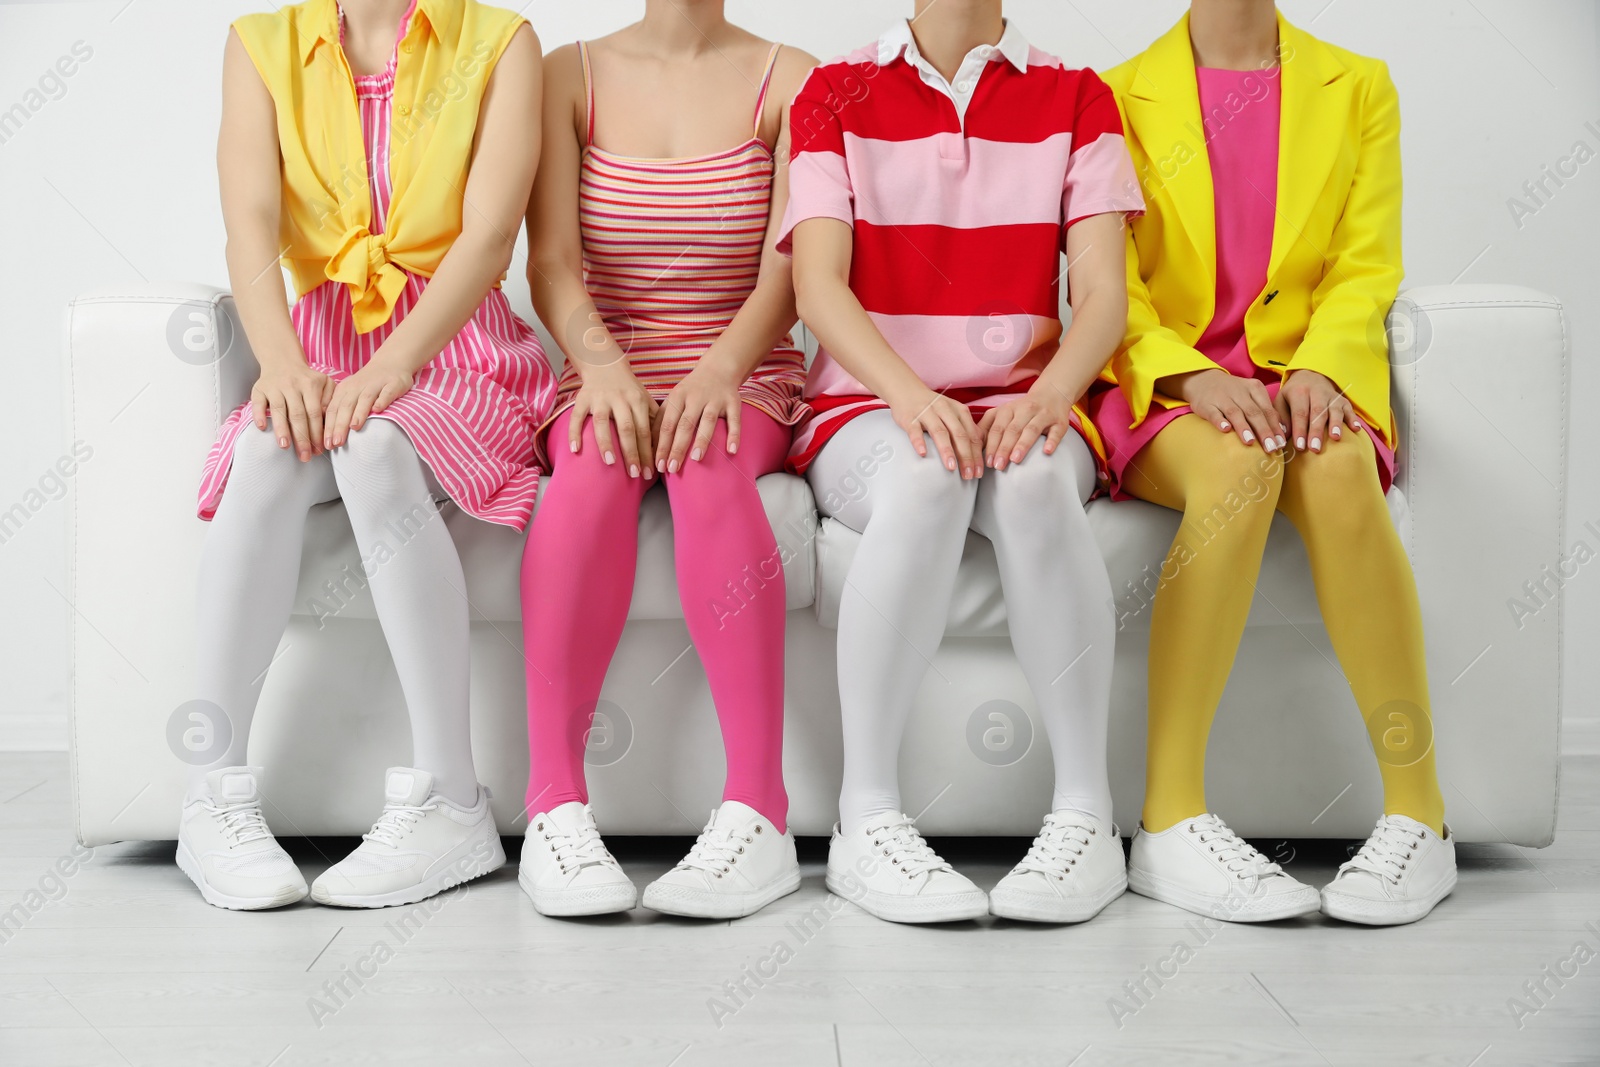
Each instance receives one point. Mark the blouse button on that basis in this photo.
(406, 48)
(404, 109)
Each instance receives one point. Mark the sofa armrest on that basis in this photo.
(1481, 394)
(150, 371)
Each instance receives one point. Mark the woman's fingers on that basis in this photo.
(258, 407)
(298, 425)
(1316, 426)
(1301, 416)
(667, 432)
(361, 408)
(964, 438)
(707, 429)
(735, 411)
(1339, 413)
(602, 435)
(575, 419)
(311, 397)
(935, 428)
(992, 428)
(644, 415)
(627, 438)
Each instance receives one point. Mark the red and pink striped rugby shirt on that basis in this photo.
(959, 219)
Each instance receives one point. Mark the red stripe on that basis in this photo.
(941, 270)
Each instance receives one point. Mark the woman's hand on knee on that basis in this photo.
(365, 393)
(689, 417)
(948, 422)
(293, 398)
(1237, 405)
(612, 397)
(1315, 409)
(1010, 430)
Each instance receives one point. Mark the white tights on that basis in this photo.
(251, 564)
(913, 516)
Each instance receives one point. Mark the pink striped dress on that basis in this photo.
(474, 410)
(671, 251)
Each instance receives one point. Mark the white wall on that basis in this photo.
(112, 180)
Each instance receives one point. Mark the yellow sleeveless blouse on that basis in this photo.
(441, 72)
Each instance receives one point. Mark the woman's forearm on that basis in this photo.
(563, 304)
(468, 271)
(767, 315)
(1096, 330)
(256, 279)
(834, 314)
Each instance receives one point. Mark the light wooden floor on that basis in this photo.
(130, 967)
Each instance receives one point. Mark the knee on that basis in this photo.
(1240, 482)
(260, 470)
(922, 485)
(1339, 486)
(379, 463)
(1044, 490)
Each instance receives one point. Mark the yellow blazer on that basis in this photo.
(441, 73)
(1335, 265)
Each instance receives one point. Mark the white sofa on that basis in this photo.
(1481, 390)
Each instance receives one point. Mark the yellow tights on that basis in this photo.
(1228, 493)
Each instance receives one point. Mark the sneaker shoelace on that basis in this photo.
(1057, 848)
(583, 847)
(716, 850)
(908, 853)
(396, 821)
(1234, 853)
(1386, 852)
(243, 823)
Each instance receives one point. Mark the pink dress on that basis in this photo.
(1242, 146)
(474, 409)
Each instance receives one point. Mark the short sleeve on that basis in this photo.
(1100, 176)
(819, 179)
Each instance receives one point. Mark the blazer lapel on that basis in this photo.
(1164, 107)
(1315, 110)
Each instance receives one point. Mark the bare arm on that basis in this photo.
(505, 155)
(823, 249)
(288, 391)
(1097, 288)
(610, 393)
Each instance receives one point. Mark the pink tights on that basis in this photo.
(577, 583)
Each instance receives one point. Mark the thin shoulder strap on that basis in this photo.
(766, 81)
(588, 95)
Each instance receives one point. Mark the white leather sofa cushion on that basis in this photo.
(491, 557)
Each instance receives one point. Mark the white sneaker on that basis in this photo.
(889, 871)
(1073, 870)
(421, 845)
(225, 848)
(1402, 871)
(566, 868)
(1204, 867)
(738, 865)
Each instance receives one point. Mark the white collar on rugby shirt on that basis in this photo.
(1012, 47)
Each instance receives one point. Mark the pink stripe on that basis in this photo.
(1100, 179)
(909, 183)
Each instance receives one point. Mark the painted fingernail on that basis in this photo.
(672, 468)
(1224, 425)
(1249, 438)
(633, 470)
(1355, 425)
(1316, 444)
(695, 454)
(1271, 444)
(1299, 442)
(610, 458)
(283, 442)
(573, 445)
(950, 465)
(1334, 433)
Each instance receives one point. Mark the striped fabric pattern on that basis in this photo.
(473, 412)
(958, 222)
(671, 251)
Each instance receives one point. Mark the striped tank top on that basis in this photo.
(671, 251)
